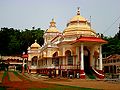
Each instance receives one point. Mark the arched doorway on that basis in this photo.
(86, 61)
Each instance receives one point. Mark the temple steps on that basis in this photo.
(90, 74)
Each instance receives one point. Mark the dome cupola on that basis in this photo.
(51, 32)
(79, 25)
(52, 28)
(35, 45)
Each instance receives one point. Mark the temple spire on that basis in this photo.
(35, 41)
(78, 11)
(52, 23)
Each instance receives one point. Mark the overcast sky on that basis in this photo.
(21, 14)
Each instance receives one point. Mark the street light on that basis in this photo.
(0, 58)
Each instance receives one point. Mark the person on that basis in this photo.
(78, 76)
(49, 74)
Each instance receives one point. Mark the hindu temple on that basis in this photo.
(77, 51)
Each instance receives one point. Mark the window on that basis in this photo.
(117, 60)
(55, 59)
(105, 61)
(46, 62)
(114, 61)
(109, 61)
(69, 58)
(34, 61)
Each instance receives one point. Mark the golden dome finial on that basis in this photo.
(35, 45)
(52, 23)
(52, 19)
(78, 11)
(35, 41)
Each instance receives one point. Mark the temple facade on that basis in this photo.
(77, 51)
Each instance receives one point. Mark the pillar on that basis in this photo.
(77, 57)
(37, 62)
(100, 58)
(82, 73)
(74, 61)
(101, 75)
(97, 64)
(109, 69)
(61, 72)
(64, 62)
(23, 66)
(82, 57)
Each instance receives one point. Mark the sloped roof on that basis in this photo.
(114, 56)
(90, 39)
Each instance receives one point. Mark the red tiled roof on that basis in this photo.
(90, 39)
(25, 56)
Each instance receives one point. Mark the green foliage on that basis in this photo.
(113, 45)
(2, 66)
(14, 42)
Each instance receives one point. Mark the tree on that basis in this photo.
(113, 46)
(14, 42)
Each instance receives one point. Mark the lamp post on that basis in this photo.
(0, 61)
(23, 63)
(0, 57)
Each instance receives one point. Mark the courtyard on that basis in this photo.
(12, 80)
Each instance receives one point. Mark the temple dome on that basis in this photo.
(35, 45)
(52, 28)
(78, 18)
(79, 25)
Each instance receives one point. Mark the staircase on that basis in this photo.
(98, 73)
(89, 74)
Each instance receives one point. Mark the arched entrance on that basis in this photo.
(86, 61)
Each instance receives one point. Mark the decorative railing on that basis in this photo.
(69, 67)
(61, 67)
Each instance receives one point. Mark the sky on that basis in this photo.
(25, 14)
